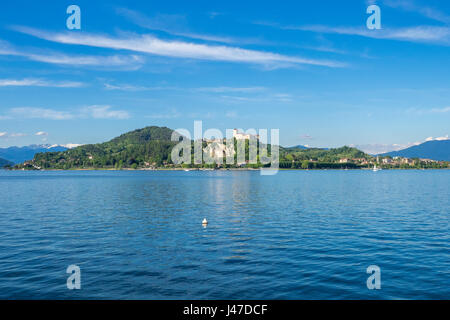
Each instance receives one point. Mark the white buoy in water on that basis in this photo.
(204, 222)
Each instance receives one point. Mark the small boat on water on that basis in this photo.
(375, 168)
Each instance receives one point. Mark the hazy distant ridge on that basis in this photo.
(21, 154)
(434, 150)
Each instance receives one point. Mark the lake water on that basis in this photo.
(295, 235)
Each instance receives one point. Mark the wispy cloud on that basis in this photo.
(41, 133)
(12, 135)
(231, 89)
(231, 114)
(38, 83)
(119, 61)
(178, 49)
(283, 97)
(418, 111)
(177, 25)
(241, 98)
(131, 87)
(261, 98)
(379, 148)
(70, 145)
(423, 34)
(443, 138)
(17, 135)
(440, 110)
(169, 23)
(412, 6)
(40, 113)
(431, 34)
(171, 114)
(93, 112)
(131, 61)
(104, 112)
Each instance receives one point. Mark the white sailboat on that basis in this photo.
(375, 168)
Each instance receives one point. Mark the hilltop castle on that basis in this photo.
(242, 136)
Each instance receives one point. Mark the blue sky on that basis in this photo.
(309, 68)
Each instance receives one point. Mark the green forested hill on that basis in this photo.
(151, 147)
(142, 147)
(315, 158)
(323, 155)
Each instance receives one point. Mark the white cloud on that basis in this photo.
(241, 99)
(68, 145)
(438, 138)
(168, 115)
(441, 110)
(247, 96)
(178, 49)
(71, 145)
(384, 148)
(169, 23)
(425, 11)
(428, 111)
(431, 34)
(379, 148)
(94, 112)
(177, 25)
(114, 61)
(231, 89)
(41, 133)
(12, 135)
(17, 135)
(41, 113)
(120, 61)
(423, 34)
(130, 87)
(231, 114)
(38, 83)
(105, 112)
(283, 97)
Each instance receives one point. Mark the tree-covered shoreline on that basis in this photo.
(150, 149)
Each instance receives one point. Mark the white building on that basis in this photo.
(219, 150)
(242, 136)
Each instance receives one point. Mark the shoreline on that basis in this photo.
(221, 169)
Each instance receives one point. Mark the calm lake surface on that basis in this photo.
(295, 235)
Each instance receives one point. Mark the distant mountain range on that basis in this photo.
(306, 147)
(434, 150)
(21, 154)
(299, 147)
